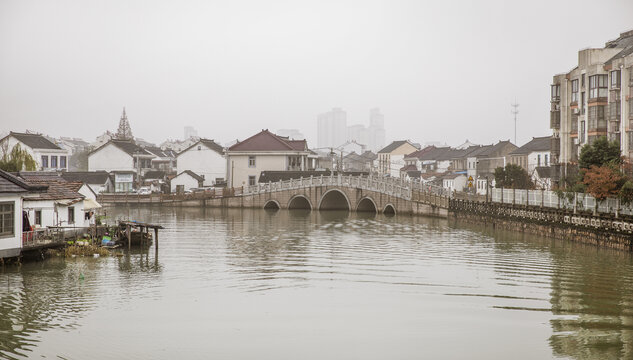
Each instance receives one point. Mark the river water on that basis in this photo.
(252, 284)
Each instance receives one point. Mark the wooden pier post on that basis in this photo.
(128, 230)
(156, 243)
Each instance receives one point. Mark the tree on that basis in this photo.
(600, 152)
(603, 181)
(626, 192)
(513, 176)
(17, 160)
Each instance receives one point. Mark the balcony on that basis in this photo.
(554, 120)
(555, 146)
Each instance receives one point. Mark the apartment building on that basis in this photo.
(592, 100)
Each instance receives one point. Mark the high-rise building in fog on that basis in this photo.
(376, 130)
(332, 128)
(334, 132)
(190, 132)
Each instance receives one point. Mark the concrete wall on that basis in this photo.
(204, 162)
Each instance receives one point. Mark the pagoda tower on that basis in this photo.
(124, 132)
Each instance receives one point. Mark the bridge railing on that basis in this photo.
(390, 186)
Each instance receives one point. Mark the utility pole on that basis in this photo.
(138, 174)
(515, 111)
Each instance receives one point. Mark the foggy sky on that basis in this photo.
(439, 71)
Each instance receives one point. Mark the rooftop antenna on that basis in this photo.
(515, 111)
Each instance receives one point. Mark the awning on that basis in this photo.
(91, 204)
(68, 202)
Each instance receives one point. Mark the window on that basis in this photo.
(582, 80)
(62, 162)
(574, 90)
(71, 214)
(582, 103)
(251, 180)
(199, 147)
(555, 92)
(44, 161)
(581, 135)
(7, 219)
(53, 162)
(38, 217)
(251, 161)
(546, 160)
(538, 160)
(615, 79)
(598, 86)
(597, 119)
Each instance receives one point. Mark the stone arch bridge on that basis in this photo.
(351, 193)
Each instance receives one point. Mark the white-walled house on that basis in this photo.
(186, 180)
(454, 182)
(12, 189)
(205, 158)
(120, 158)
(535, 153)
(391, 157)
(266, 151)
(61, 204)
(48, 155)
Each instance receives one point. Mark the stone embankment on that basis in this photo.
(600, 230)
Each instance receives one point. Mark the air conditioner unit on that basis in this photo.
(575, 111)
(576, 141)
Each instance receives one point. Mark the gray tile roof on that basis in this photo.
(393, 146)
(34, 141)
(88, 177)
(10, 183)
(192, 174)
(128, 146)
(57, 187)
(536, 144)
(208, 143)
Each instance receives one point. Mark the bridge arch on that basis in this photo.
(299, 202)
(389, 209)
(367, 204)
(334, 199)
(272, 205)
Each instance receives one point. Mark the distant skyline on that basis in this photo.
(442, 71)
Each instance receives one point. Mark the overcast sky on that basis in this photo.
(439, 70)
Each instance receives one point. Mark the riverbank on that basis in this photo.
(597, 230)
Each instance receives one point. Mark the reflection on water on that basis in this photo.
(322, 285)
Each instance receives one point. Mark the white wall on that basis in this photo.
(110, 158)
(204, 162)
(533, 160)
(457, 183)
(241, 171)
(186, 180)
(10, 245)
(54, 214)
